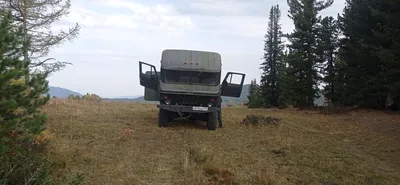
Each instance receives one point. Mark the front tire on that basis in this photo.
(212, 121)
(220, 118)
(163, 118)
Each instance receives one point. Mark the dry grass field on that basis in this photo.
(120, 143)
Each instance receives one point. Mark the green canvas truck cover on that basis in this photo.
(190, 60)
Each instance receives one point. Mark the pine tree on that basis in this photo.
(284, 81)
(365, 71)
(36, 18)
(273, 49)
(303, 62)
(254, 95)
(20, 118)
(386, 12)
(328, 44)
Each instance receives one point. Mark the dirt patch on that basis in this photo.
(259, 120)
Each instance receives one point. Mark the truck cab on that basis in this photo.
(189, 85)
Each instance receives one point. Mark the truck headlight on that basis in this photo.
(209, 104)
(167, 102)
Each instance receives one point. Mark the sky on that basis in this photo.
(116, 34)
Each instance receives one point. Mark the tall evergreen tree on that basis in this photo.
(365, 71)
(328, 44)
(386, 12)
(20, 118)
(303, 61)
(284, 81)
(273, 48)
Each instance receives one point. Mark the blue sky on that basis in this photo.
(116, 34)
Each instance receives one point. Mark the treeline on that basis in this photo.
(352, 59)
(25, 41)
(87, 96)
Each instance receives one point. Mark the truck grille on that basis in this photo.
(188, 99)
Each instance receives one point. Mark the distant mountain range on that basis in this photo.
(59, 92)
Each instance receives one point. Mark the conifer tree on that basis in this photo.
(386, 12)
(366, 72)
(328, 44)
(20, 118)
(303, 45)
(273, 48)
(254, 95)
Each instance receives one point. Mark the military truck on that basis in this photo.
(188, 86)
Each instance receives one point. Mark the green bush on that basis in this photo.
(92, 97)
(74, 97)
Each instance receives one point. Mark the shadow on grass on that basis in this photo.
(187, 124)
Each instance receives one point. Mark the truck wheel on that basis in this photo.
(220, 118)
(163, 118)
(219, 112)
(212, 121)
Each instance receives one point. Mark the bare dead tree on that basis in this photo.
(36, 18)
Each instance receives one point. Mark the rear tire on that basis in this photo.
(219, 112)
(212, 121)
(163, 118)
(220, 118)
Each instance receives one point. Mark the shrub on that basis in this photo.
(92, 97)
(259, 120)
(332, 109)
(74, 97)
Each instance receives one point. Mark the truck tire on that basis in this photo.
(212, 121)
(220, 118)
(219, 112)
(163, 118)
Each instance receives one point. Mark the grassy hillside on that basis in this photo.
(120, 143)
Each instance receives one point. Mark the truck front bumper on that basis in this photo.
(189, 109)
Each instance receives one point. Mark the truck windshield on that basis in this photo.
(190, 77)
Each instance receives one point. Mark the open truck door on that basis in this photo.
(232, 88)
(148, 79)
(149, 94)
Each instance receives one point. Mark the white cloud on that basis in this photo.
(140, 17)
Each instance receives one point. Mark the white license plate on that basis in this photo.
(201, 108)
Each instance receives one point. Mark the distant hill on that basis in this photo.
(59, 92)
